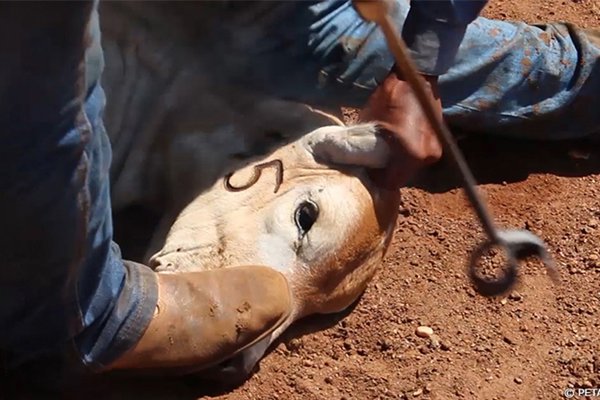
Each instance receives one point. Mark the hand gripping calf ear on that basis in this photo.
(357, 145)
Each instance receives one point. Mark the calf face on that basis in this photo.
(312, 214)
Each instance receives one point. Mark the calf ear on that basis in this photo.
(357, 145)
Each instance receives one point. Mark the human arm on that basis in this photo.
(433, 31)
(66, 292)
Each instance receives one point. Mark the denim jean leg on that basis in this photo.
(116, 299)
(318, 52)
(63, 284)
(525, 81)
(508, 78)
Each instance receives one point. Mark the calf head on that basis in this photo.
(308, 210)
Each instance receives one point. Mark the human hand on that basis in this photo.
(394, 106)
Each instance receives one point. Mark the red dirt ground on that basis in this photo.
(532, 344)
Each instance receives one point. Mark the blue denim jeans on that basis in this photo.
(508, 78)
(63, 285)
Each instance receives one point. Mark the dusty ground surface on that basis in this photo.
(531, 344)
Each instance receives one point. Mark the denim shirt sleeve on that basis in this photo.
(434, 29)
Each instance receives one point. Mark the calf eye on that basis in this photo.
(306, 215)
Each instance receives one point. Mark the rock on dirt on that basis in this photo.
(424, 331)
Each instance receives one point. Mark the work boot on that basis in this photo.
(204, 318)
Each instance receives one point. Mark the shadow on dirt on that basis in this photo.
(498, 160)
(305, 326)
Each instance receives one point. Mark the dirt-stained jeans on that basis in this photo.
(508, 78)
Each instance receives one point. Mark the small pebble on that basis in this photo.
(518, 381)
(508, 340)
(424, 331)
(293, 345)
(434, 341)
(417, 392)
(307, 363)
(515, 296)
